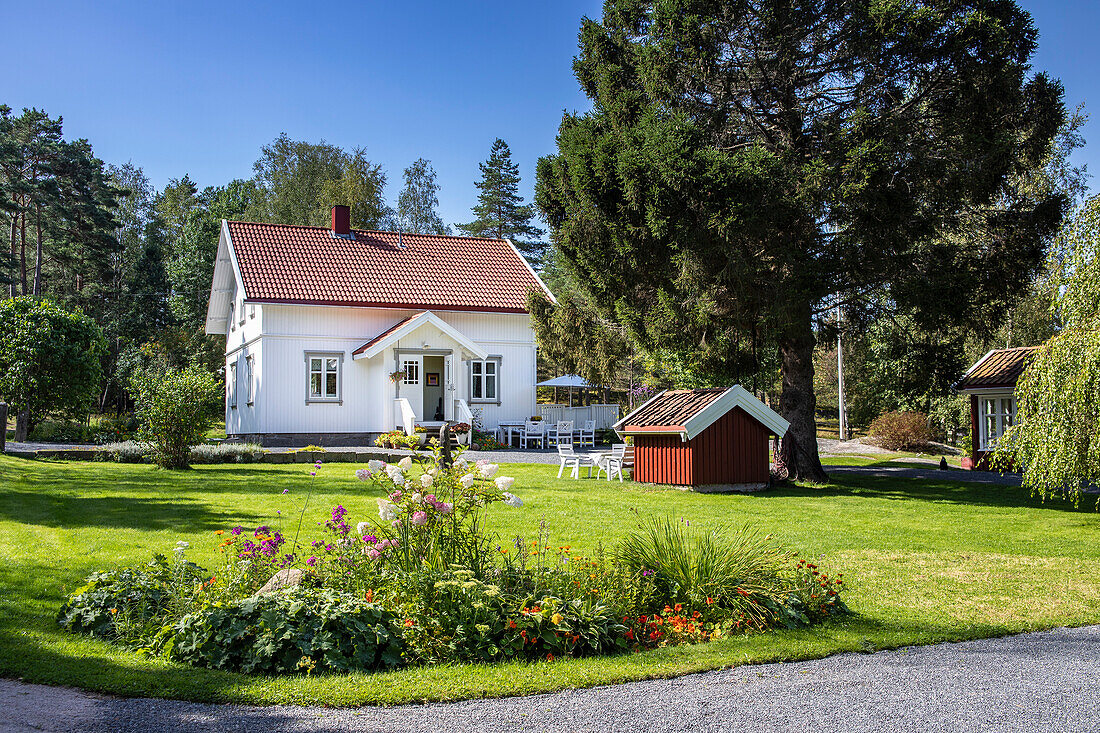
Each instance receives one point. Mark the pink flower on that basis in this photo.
(419, 518)
(446, 508)
(373, 554)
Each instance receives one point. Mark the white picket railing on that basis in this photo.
(404, 415)
(604, 415)
(463, 412)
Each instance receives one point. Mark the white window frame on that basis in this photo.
(325, 357)
(992, 425)
(480, 368)
(231, 385)
(250, 374)
(242, 313)
(411, 367)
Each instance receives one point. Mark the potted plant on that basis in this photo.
(462, 433)
(421, 433)
(398, 376)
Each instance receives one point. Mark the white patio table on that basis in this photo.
(508, 428)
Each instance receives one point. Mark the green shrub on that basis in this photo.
(127, 603)
(901, 430)
(301, 629)
(174, 406)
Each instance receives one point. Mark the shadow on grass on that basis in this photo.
(901, 488)
(72, 510)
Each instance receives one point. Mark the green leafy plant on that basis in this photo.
(299, 630)
(174, 406)
(127, 603)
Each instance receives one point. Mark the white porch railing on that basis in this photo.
(463, 412)
(404, 415)
(604, 415)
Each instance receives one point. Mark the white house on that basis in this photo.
(319, 320)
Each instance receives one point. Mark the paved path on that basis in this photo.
(1045, 681)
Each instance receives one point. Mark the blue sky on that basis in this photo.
(198, 87)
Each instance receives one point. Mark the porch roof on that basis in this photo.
(407, 326)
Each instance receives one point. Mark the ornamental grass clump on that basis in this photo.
(733, 576)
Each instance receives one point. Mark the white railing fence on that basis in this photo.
(404, 415)
(604, 415)
(463, 412)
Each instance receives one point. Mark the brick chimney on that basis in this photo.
(341, 221)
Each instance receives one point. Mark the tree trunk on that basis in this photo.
(37, 287)
(23, 252)
(22, 425)
(798, 458)
(13, 289)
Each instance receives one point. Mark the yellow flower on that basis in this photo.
(556, 618)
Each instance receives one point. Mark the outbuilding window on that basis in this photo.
(485, 380)
(323, 376)
(997, 416)
(250, 375)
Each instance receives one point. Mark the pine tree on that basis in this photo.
(500, 210)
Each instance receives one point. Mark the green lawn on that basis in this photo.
(926, 561)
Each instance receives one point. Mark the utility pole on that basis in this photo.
(843, 409)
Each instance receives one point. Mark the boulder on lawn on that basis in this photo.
(285, 578)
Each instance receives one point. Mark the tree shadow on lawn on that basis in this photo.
(902, 488)
(123, 512)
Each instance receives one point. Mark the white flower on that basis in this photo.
(504, 482)
(396, 474)
(416, 498)
(460, 462)
(362, 528)
(467, 481)
(375, 466)
(489, 470)
(181, 545)
(386, 511)
(363, 474)
(405, 462)
(398, 481)
(426, 481)
(432, 471)
(512, 500)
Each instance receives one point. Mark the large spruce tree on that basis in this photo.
(500, 210)
(745, 162)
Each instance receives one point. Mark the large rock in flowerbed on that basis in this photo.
(285, 578)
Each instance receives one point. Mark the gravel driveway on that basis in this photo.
(1044, 681)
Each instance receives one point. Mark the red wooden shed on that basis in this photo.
(709, 439)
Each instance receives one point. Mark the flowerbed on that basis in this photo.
(425, 583)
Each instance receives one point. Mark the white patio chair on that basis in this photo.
(587, 434)
(562, 433)
(573, 460)
(612, 463)
(533, 430)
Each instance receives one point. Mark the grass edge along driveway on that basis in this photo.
(927, 561)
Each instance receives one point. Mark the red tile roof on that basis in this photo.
(672, 409)
(298, 264)
(999, 368)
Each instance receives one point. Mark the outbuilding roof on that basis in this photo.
(282, 263)
(998, 368)
(691, 411)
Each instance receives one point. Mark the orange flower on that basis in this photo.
(710, 601)
(409, 623)
(549, 657)
(220, 531)
(511, 624)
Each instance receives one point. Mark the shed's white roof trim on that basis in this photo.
(735, 396)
